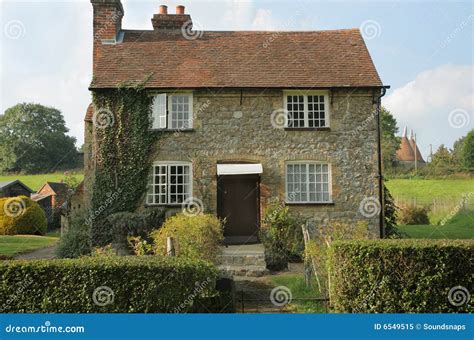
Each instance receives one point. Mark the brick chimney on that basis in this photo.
(165, 21)
(107, 24)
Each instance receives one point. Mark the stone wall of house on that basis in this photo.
(237, 126)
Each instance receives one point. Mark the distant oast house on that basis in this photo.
(265, 115)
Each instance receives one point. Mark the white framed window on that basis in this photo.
(169, 183)
(308, 182)
(173, 111)
(306, 109)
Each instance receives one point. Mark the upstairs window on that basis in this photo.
(173, 111)
(309, 110)
(169, 183)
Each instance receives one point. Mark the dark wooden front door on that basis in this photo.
(238, 203)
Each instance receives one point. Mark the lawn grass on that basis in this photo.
(461, 226)
(296, 284)
(11, 245)
(35, 182)
(425, 190)
(441, 196)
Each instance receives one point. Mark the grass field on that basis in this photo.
(442, 196)
(19, 244)
(36, 181)
(461, 226)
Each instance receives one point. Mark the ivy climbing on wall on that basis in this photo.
(123, 144)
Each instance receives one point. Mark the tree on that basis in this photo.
(390, 215)
(390, 142)
(443, 162)
(33, 139)
(468, 151)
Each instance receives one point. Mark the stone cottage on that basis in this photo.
(249, 117)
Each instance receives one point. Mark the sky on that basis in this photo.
(422, 49)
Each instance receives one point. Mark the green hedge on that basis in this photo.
(21, 215)
(399, 276)
(139, 284)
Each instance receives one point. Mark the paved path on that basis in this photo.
(43, 253)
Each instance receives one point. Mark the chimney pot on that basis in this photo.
(180, 9)
(163, 9)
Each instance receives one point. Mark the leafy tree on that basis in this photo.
(468, 151)
(33, 139)
(390, 142)
(443, 161)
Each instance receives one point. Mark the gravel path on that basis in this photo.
(43, 253)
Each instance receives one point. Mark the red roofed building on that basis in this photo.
(255, 116)
(408, 151)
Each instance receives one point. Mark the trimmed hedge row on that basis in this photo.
(400, 276)
(132, 284)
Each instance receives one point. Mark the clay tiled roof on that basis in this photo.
(405, 152)
(321, 59)
(416, 151)
(89, 113)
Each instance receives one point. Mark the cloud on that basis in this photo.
(431, 102)
(442, 89)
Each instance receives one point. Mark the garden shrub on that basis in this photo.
(401, 276)
(21, 215)
(76, 241)
(411, 214)
(281, 236)
(196, 237)
(127, 224)
(317, 249)
(130, 284)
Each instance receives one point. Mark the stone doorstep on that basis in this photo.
(242, 260)
(242, 271)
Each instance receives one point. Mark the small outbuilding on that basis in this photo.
(14, 188)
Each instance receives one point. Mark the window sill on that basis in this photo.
(172, 130)
(157, 205)
(309, 203)
(307, 129)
